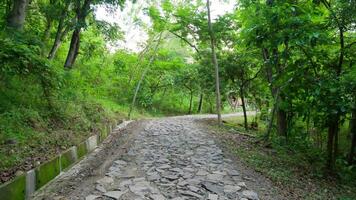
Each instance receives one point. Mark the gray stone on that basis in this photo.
(120, 162)
(231, 188)
(153, 177)
(127, 175)
(170, 177)
(139, 190)
(249, 194)
(125, 183)
(213, 197)
(215, 177)
(100, 188)
(166, 166)
(248, 178)
(91, 197)
(115, 194)
(190, 193)
(193, 188)
(188, 169)
(242, 184)
(233, 173)
(223, 173)
(183, 183)
(212, 187)
(140, 179)
(157, 197)
(202, 173)
(105, 181)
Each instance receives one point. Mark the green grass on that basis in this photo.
(237, 123)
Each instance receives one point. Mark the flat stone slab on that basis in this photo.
(91, 197)
(115, 194)
(251, 195)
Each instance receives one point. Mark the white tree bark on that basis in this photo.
(215, 62)
(144, 74)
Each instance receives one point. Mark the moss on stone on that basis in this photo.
(14, 190)
(103, 134)
(47, 172)
(82, 149)
(67, 159)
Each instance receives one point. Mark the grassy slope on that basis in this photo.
(35, 139)
(297, 171)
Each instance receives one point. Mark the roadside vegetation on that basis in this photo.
(296, 168)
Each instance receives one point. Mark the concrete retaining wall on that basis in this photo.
(22, 187)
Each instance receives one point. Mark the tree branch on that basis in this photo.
(250, 79)
(186, 41)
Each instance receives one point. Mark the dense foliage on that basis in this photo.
(292, 61)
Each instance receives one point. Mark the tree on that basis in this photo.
(16, 17)
(240, 68)
(82, 10)
(62, 29)
(81, 13)
(153, 56)
(216, 66)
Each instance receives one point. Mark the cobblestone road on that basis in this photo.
(172, 158)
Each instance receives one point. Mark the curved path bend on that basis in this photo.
(169, 158)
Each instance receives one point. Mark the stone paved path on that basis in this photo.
(172, 158)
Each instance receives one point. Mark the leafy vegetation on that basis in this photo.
(292, 61)
(295, 168)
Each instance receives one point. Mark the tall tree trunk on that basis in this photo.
(17, 15)
(153, 57)
(243, 106)
(60, 34)
(281, 114)
(81, 14)
(57, 42)
(47, 30)
(73, 49)
(270, 123)
(190, 102)
(281, 122)
(200, 106)
(353, 137)
(333, 127)
(215, 62)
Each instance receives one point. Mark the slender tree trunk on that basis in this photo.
(60, 34)
(153, 57)
(333, 127)
(274, 110)
(353, 137)
(270, 123)
(215, 62)
(281, 114)
(200, 106)
(281, 122)
(17, 15)
(47, 30)
(190, 102)
(73, 49)
(81, 14)
(243, 106)
(57, 42)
